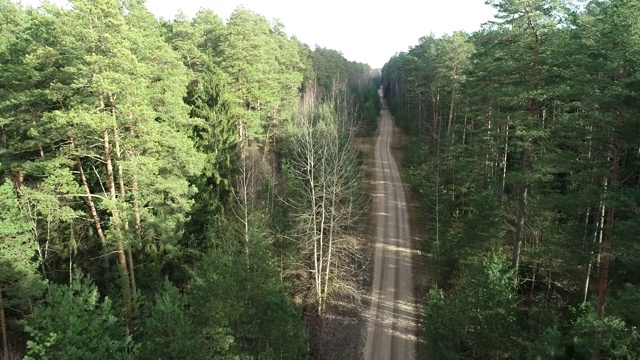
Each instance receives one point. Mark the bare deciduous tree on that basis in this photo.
(325, 202)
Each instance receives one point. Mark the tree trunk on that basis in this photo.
(606, 248)
(605, 258)
(437, 191)
(331, 228)
(316, 234)
(420, 124)
(596, 243)
(600, 229)
(435, 98)
(451, 106)
(19, 181)
(116, 139)
(96, 224)
(464, 131)
(504, 161)
(316, 251)
(587, 280)
(136, 210)
(321, 263)
(585, 291)
(528, 154)
(517, 241)
(136, 203)
(136, 213)
(115, 217)
(245, 208)
(489, 150)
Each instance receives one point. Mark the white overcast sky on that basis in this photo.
(364, 31)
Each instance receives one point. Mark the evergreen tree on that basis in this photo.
(74, 323)
(256, 87)
(534, 165)
(120, 136)
(19, 279)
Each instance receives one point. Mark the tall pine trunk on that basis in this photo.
(436, 117)
(520, 219)
(136, 203)
(528, 152)
(587, 278)
(115, 217)
(116, 139)
(605, 257)
(606, 248)
(451, 105)
(96, 223)
(596, 243)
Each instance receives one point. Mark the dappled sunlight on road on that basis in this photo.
(391, 332)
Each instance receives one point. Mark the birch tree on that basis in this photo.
(325, 201)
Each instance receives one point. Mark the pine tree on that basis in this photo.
(256, 92)
(75, 323)
(19, 278)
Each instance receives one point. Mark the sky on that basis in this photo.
(364, 31)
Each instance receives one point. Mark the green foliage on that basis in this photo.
(441, 326)
(233, 308)
(548, 346)
(614, 338)
(479, 318)
(248, 298)
(19, 278)
(308, 69)
(168, 331)
(216, 136)
(20, 282)
(532, 148)
(12, 22)
(332, 69)
(75, 323)
(367, 103)
(120, 136)
(264, 68)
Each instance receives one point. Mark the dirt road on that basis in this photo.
(392, 318)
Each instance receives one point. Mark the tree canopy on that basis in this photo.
(527, 146)
(126, 142)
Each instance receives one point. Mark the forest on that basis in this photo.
(523, 156)
(173, 189)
